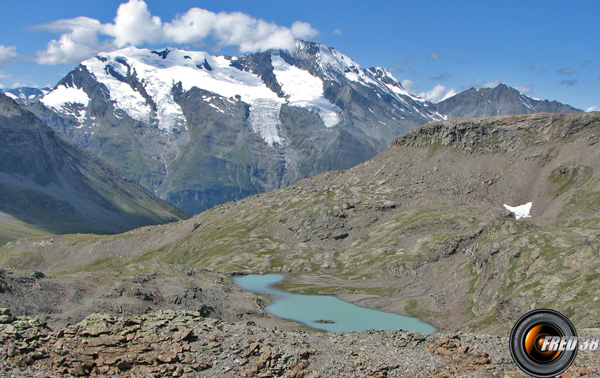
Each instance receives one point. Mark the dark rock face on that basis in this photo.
(502, 100)
(48, 181)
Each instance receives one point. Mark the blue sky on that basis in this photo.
(547, 49)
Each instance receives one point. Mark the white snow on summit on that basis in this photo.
(304, 90)
(63, 95)
(140, 83)
(190, 68)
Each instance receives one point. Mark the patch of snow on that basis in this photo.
(14, 97)
(333, 62)
(524, 102)
(521, 211)
(62, 95)
(304, 90)
(158, 76)
(264, 118)
(125, 97)
(68, 100)
(216, 107)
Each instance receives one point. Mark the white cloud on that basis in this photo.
(17, 85)
(592, 109)
(1, 86)
(410, 86)
(524, 89)
(79, 43)
(337, 32)
(135, 25)
(485, 84)
(7, 53)
(490, 84)
(4, 75)
(433, 56)
(438, 93)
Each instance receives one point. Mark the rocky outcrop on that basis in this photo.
(185, 344)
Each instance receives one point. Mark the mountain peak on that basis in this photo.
(500, 100)
(201, 129)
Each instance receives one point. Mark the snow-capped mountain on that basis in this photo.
(26, 95)
(501, 100)
(200, 129)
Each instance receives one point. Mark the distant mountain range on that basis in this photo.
(51, 183)
(501, 100)
(26, 95)
(199, 130)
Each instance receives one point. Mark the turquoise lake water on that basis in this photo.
(308, 309)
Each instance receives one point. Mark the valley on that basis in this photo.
(419, 230)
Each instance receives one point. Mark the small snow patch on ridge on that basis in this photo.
(521, 211)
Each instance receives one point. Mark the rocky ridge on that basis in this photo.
(501, 100)
(186, 344)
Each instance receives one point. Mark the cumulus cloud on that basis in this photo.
(337, 32)
(78, 43)
(17, 85)
(592, 109)
(567, 71)
(433, 56)
(7, 53)
(438, 93)
(441, 77)
(135, 25)
(569, 83)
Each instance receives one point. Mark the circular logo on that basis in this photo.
(535, 339)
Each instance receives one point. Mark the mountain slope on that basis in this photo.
(25, 95)
(501, 100)
(421, 229)
(51, 183)
(200, 130)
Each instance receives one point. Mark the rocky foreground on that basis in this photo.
(185, 344)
